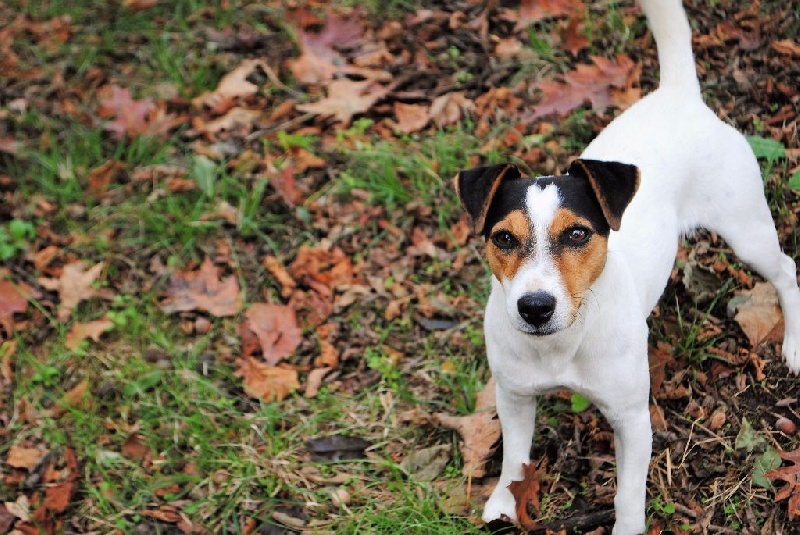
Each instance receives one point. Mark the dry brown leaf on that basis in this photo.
(760, 316)
(479, 431)
(234, 84)
(25, 458)
(139, 5)
(82, 331)
(269, 383)
(411, 117)
(131, 117)
(526, 492)
(100, 178)
(238, 119)
(314, 381)
(786, 47)
(13, 300)
(346, 98)
(282, 277)
(276, 329)
(203, 290)
(59, 496)
(587, 83)
(135, 448)
(74, 286)
(531, 11)
(791, 476)
(449, 108)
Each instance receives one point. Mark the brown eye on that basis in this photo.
(504, 240)
(577, 235)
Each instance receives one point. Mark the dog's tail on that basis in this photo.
(673, 37)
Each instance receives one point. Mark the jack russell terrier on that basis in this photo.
(579, 260)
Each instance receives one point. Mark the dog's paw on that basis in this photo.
(791, 352)
(500, 506)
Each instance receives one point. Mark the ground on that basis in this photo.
(237, 292)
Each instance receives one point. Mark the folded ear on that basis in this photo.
(476, 188)
(613, 184)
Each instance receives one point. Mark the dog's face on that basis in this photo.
(546, 238)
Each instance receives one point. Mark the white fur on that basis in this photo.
(695, 171)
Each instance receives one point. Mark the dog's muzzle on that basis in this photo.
(536, 308)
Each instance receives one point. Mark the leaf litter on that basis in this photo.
(342, 270)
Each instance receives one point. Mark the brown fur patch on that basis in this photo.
(579, 266)
(504, 264)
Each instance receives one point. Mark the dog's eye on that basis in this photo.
(577, 235)
(504, 240)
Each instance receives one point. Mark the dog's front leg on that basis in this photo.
(517, 418)
(633, 441)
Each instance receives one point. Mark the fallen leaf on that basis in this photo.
(269, 383)
(411, 117)
(526, 495)
(59, 496)
(276, 329)
(531, 11)
(236, 119)
(131, 117)
(449, 108)
(282, 277)
(314, 380)
(135, 448)
(426, 464)
(760, 316)
(346, 98)
(74, 286)
(82, 331)
(25, 458)
(139, 5)
(203, 290)
(791, 476)
(13, 300)
(479, 431)
(786, 47)
(587, 83)
(234, 84)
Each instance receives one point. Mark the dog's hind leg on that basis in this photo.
(743, 219)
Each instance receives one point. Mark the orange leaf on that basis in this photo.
(269, 383)
(531, 11)
(526, 494)
(276, 329)
(791, 476)
(203, 290)
(134, 448)
(130, 116)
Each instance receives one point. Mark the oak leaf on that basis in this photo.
(479, 431)
(276, 329)
(74, 286)
(411, 117)
(760, 316)
(346, 98)
(587, 83)
(233, 84)
(791, 476)
(91, 329)
(531, 11)
(526, 495)
(131, 117)
(269, 383)
(203, 290)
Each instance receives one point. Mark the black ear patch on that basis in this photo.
(476, 188)
(613, 183)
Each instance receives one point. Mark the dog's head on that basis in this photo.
(547, 237)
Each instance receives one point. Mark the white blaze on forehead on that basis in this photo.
(542, 205)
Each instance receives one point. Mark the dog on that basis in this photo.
(579, 260)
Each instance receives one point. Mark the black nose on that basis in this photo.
(536, 308)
